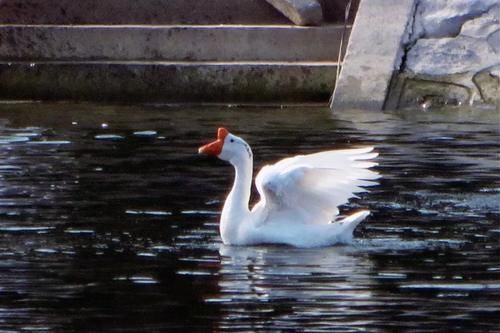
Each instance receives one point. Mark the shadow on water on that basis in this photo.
(109, 221)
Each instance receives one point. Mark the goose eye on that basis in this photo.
(232, 140)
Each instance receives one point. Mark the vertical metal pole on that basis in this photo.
(341, 46)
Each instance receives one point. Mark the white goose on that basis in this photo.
(299, 195)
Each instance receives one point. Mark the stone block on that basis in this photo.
(488, 84)
(484, 25)
(449, 56)
(300, 12)
(436, 19)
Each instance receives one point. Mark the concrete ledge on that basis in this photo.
(139, 12)
(167, 82)
(374, 53)
(173, 43)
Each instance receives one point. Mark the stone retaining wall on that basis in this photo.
(452, 56)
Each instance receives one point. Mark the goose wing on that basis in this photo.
(309, 188)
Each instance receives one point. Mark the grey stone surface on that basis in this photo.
(469, 58)
(484, 25)
(175, 43)
(444, 18)
(167, 82)
(300, 12)
(488, 83)
(448, 56)
(139, 12)
(374, 53)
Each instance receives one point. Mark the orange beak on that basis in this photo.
(215, 147)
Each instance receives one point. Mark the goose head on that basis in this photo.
(227, 147)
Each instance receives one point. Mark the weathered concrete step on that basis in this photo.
(197, 43)
(168, 82)
(139, 12)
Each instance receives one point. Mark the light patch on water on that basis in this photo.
(50, 142)
(163, 248)
(46, 251)
(109, 137)
(490, 190)
(452, 286)
(194, 273)
(219, 300)
(453, 294)
(79, 231)
(143, 279)
(120, 278)
(212, 260)
(137, 279)
(148, 212)
(27, 135)
(146, 133)
(192, 237)
(424, 211)
(391, 275)
(441, 138)
(200, 212)
(36, 328)
(25, 229)
(403, 245)
(9, 167)
(13, 139)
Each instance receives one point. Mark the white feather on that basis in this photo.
(309, 188)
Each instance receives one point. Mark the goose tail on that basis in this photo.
(348, 224)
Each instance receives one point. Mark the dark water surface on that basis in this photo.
(107, 228)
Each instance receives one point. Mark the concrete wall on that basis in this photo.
(374, 54)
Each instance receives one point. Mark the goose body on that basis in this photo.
(299, 196)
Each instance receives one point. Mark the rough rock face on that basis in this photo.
(455, 43)
(488, 83)
(444, 18)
